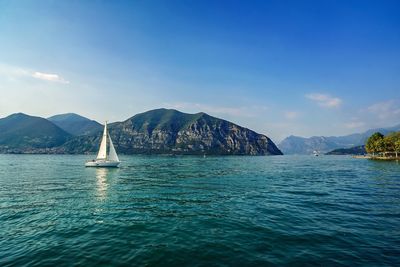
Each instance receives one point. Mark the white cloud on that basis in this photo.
(354, 124)
(325, 100)
(16, 73)
(291, 115)
(49, 77)
(12, 71)
(386, 109)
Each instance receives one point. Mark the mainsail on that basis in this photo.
(103, 146)
(113, 154)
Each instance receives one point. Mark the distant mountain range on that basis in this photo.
(301, 145)
(23, 133)
(76, 124)
(156, 131)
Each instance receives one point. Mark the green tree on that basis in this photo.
(397, 147)
(373, 143)
(380, 145)
(391, 140)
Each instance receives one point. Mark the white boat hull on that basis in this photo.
(102, 163)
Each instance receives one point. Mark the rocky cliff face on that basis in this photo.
(171, 131)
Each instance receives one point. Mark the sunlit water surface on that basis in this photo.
(195, 211)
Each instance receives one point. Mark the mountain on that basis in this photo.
(301, 145)
(173, 132)
(357, 150)
(76, 124)
(21, 133)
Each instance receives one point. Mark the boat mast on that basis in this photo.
(103, 145)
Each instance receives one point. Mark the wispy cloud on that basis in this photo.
(12, 71)
(354, 124)
(49, 77)
(325, 100)
(15, 73)
(386, 109)
(291, 115)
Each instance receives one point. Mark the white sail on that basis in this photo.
(113, 154)
(102, 159)
(103, 146)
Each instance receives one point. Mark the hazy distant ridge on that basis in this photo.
(357, 150)
(76, 124)
(301, 145)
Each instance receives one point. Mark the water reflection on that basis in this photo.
(101, 182)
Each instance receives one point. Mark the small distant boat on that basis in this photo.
(315, 153)
(104, 160)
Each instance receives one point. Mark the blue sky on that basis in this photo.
(278, 67)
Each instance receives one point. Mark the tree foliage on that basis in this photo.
(373, 143)
(379, 143)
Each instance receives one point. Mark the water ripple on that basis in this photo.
(194, 211)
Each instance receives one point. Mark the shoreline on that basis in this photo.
(385, 158)
(376, 158)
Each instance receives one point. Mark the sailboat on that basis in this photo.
(104, 160)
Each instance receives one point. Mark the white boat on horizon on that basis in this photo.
(102, 159)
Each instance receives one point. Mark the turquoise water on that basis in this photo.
(194, 211)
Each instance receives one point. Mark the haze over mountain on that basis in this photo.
(23, 133)
(156, 131)
(76, 124)
(302, 145)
